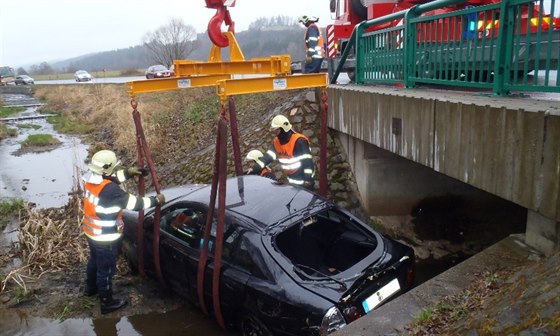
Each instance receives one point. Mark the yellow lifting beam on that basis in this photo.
(175, 83)
(235, 53)
(231, 87)
(274, 65)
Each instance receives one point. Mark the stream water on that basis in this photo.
(46, 178)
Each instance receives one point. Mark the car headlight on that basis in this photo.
(332, 321)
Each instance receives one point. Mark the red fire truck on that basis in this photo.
(349, 13)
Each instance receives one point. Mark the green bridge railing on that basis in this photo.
(508, 46)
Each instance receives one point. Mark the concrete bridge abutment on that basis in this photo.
(402, 144)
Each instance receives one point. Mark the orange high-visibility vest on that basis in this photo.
(285, 154)
(94, 227)
(319, 51)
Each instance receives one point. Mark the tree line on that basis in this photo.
(176, 40)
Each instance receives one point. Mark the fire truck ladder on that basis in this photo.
(275, 75)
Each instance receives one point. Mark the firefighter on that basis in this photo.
(254, 158)
(314, 44)
(291, 149)
(104, 201)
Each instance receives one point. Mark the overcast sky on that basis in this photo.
(33, 31)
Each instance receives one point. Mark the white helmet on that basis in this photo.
(254, 155)
(280, 121)
(306, 18)
(104, 162)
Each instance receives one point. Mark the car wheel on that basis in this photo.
(252, 326)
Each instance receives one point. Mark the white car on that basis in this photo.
(82, 76)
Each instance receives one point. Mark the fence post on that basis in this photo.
(502, 66)
(359, 51)
(409, 47)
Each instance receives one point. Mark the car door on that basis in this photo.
(179, 250)
(235, 271)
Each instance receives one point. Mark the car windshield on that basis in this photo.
(159, 68)
(81, 72)
(326, 243)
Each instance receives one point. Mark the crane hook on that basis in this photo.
(215, 27)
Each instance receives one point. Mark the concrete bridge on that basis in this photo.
(506, 146)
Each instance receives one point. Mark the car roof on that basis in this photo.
(262, 199)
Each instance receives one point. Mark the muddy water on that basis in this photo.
(184, 321)
(46, 179)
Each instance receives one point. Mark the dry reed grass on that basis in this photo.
(50, 240)
(108, 108)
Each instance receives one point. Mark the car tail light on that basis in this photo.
(332, 321)
(351, 314)
(411, 272)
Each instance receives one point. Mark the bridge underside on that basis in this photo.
(506, 146)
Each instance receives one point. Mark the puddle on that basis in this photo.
(43, 178)
(184, 321)
(46, 179)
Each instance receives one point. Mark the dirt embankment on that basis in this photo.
(180, 130)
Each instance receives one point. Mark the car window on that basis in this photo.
(239, 252)
(185, 223)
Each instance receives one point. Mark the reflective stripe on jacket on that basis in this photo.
(314, 45)
(285, 154)
(108, 229)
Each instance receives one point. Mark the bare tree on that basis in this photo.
(174, 41)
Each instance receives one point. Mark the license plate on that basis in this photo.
(376, 298)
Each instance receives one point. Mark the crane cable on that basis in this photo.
(144, 152)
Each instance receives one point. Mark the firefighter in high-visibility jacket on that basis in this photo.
(291, 150)
(314, 44)
(254, 158)
(104, 201)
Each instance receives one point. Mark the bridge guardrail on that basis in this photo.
(513, 45)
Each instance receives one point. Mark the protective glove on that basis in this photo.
(309, 185)
(135, 171)
(160, 199)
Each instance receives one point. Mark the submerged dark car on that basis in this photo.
(293, 263)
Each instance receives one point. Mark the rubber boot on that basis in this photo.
(110, 304)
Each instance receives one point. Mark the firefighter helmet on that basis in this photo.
(104, 162)
(280, 121)
(254, 155)
(305, 19)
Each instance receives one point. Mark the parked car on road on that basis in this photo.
(159, 71)
(293, 263)
(7, 75)
(82, 76)
(24, 80)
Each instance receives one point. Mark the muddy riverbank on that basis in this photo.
(181, 133)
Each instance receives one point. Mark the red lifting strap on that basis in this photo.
(144, 151)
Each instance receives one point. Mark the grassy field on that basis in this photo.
(95, 74)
